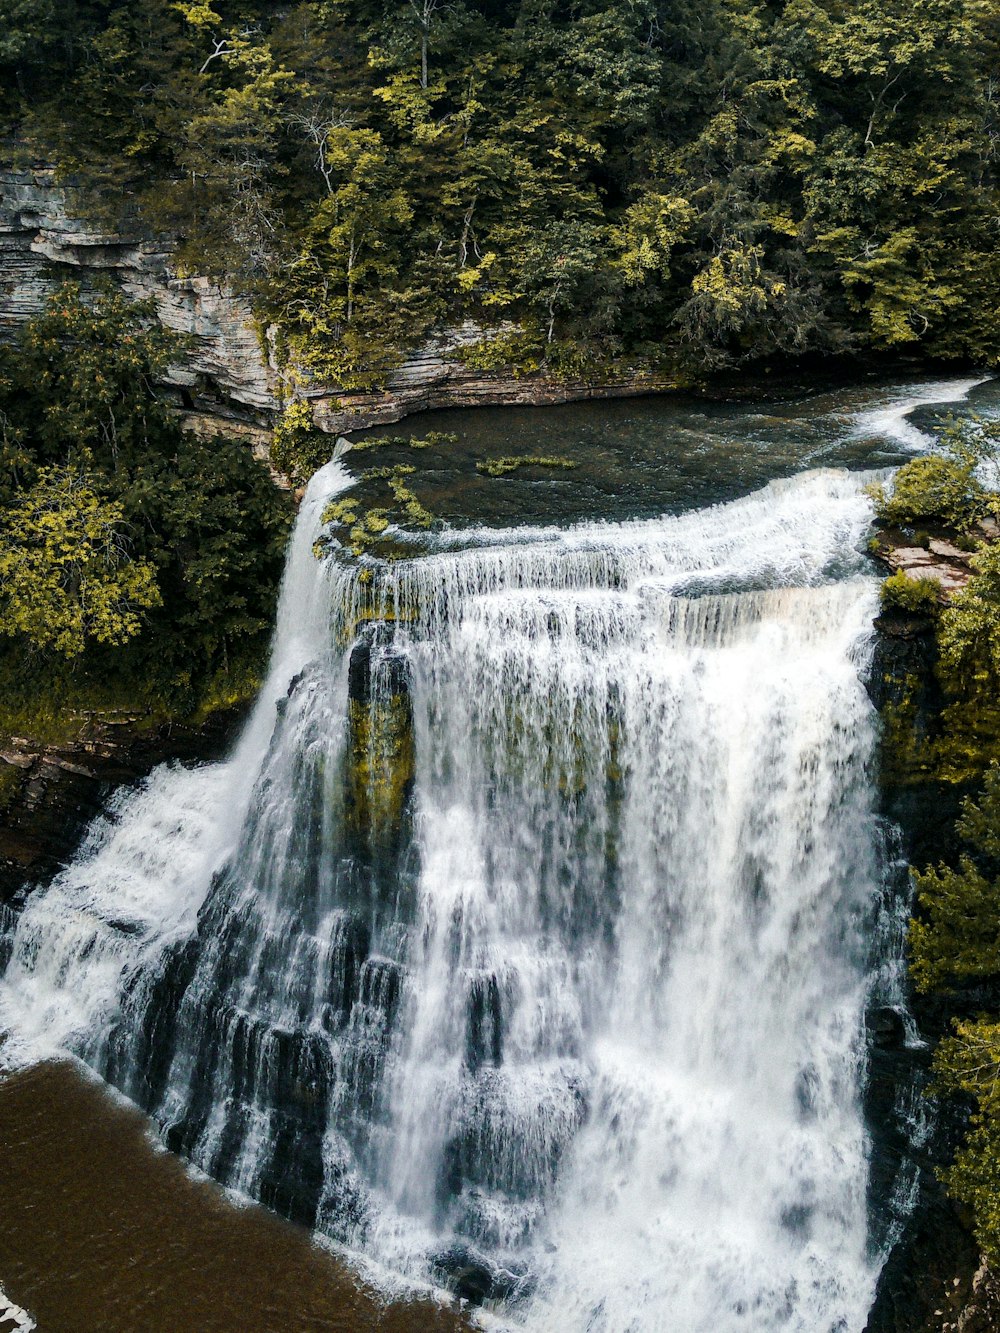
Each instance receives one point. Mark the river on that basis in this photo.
(522, 947)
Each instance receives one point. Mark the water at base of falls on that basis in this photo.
(521, 945)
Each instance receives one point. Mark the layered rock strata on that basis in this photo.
(231, 376)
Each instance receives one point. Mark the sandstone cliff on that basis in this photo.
(230, 381)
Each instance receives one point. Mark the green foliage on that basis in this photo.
(969, 633)
(362, 531)
(297, 448)
(502, 467)
(944, 493)
(141, 551)
(955, 941)
(66, 575)
(915, 596)
(969, 1063)
(934, 489)
(957, 936)
(11, 785)
(433, 437)
(589, 184)
(78, 385)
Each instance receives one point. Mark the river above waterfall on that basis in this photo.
(523, 946)
(641, 457)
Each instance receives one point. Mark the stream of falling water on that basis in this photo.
(523, 945)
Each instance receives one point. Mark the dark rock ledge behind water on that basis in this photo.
(58, 789)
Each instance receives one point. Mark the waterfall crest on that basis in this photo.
(521, 944)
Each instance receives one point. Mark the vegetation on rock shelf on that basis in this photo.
(591, 183)
(362, 528)
(955, 947)
(502, 467)
(917, 596)
(297, 448)
(362, 531)
(954, 939)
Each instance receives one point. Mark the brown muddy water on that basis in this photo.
(103, 1232)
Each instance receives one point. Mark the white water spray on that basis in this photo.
(584, 1025)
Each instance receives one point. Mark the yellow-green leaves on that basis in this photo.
(503, 467)
(361, 530)
(198, 13)
(969, 634)
(66, 575)
(733, 298)
(733, 283)
(651, 229)
(934, 489)
(297, 447)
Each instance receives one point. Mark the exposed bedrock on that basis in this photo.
(231, 380)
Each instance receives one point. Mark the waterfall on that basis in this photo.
(522, 946)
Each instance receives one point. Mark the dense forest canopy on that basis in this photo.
(138, 563)
(665, 183)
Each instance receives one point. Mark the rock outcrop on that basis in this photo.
(49, 793)
(230, 380)
(937, 558)
(44, 240)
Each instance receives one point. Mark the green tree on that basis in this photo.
(746, 180)
(955, 943)
(968, 1064)
(79, 396)
(957, 935)
(81, 377)
(67, 577)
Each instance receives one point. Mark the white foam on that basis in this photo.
(626, 1057)
(18, 1318)
(892, 421)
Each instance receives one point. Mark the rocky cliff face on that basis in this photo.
(229, 381)
(43, 241)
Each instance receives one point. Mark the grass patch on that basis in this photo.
(503, 467)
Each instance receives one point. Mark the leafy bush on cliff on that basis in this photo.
(969, 632)
(957, 935)
(297, 448)
(67, 577)
(969, 1064)
(915, 596)
(126, 542)
(934, 489)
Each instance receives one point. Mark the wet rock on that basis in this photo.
(473, 1278)
(63, 787)
(885, 1028)
(381, 761)
(484, 1027)
(926, 1284)
(375, 661)
(940, 561)
(928, 1278)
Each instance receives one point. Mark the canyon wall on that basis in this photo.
(230, 381)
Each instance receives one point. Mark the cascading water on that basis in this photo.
(521, 944)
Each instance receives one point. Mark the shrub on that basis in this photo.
(933, 489)
(297, 447)
(916, 596)
(969, 633)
